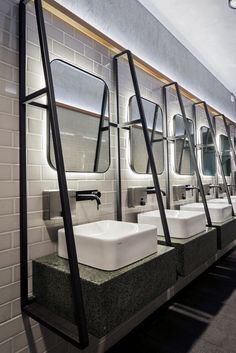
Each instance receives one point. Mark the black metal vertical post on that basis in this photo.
(118, 161)
(192, 150)
(167, 151)
(100, 129)
(216, 176)
(217, 151)
(23, 163)
(147, 141)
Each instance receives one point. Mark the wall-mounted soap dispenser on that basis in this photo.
(52, 204)
(179, 192)
(206, 188)
(137, 196)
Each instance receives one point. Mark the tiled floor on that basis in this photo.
(201, 318)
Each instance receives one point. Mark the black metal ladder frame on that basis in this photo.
(143, 122)
(28, 305)
(205, 107)
(191, 145)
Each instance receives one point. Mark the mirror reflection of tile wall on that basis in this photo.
(83, 112)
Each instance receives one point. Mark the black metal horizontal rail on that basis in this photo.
(203, 103)
(191, 147)
(36, 94)
(132, 122)
(39, 105)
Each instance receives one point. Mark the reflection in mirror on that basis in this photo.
(225, 154)
(183, 160)
(208, 152)
(138, 153)
(82, 108)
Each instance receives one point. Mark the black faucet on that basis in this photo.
(152, 190)
(163, 192)
(214, 186)
(191, 187)
(86, 195)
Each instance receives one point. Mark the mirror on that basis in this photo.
(138, 152)
(82, 102)
(208, 152)
(183, 160)
(225, 154)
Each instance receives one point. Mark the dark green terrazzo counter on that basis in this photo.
(110, 297)
(194, 251)
(226, 233)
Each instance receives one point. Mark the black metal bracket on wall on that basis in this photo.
(30, 307)
(191, 145)
(211, 127)
(143, 122)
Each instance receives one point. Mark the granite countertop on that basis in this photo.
(94, 275)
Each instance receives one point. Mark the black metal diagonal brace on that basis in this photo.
(153, 134)
(29, 308)
(227, 129)
(101, 129)
(192, 148)
(216, 149)
(146, 135)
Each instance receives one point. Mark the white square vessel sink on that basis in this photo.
(224, 201)
(218, 212)
(182, 224)
(110, 245)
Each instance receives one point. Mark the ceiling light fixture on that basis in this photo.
(232, 4)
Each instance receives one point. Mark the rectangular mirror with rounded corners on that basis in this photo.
(183, 160)
(225, 154)
(82, 102)
(138, 153)
(208, 154)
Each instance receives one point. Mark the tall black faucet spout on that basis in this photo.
(92, 195)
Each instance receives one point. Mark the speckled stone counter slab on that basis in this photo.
(110, 297)
(193, 252)
(226, 233)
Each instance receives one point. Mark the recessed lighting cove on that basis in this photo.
(232, 4)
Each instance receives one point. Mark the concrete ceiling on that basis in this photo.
(207, 28)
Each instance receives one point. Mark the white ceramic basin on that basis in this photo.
(224, 201)
(219, 212)
(110, 245)
(182, 224)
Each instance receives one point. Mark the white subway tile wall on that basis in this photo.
(19, 334)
